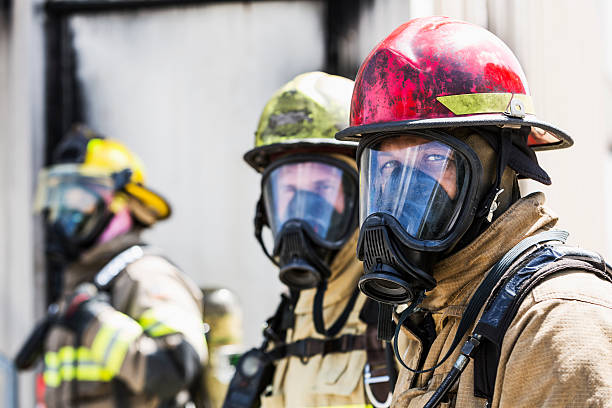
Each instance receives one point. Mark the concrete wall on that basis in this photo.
(562, 48)
(185, 93)
(20, 150)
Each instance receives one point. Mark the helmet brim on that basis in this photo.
(551, 136)
(153, 201)
(260, 157)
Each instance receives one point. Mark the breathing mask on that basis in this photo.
(310, 204)
(418, 197)
(77, 204)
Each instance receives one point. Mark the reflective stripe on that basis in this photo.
(161, 321)
(470, 104)
(101, 342)
(113, 340)
(100, 363)
(60, 366)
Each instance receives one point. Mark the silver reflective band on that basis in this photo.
(117, 264)
(367, 380)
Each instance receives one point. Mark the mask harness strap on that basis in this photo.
(317, 311)
(471, 313)
(260, 221)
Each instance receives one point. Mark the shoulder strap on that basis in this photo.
(275, 328)
(480, 296)
(105, 277)
(471, 312)
(503, 306)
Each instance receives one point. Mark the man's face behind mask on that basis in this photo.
(418, 181)
(317, 192)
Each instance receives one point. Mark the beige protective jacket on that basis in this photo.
(143, 348)
(336, 379)
(556, 353)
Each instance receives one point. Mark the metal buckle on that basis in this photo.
(367, 380)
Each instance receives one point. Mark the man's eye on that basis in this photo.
(288, 189)
(435, 158)
(387, 168)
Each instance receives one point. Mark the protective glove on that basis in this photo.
(83, 306)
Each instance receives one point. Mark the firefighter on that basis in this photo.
(318, 343)
(492, 308)
(127, 330)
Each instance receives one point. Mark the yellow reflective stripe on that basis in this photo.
(162, 321)
(115, 356)
(112, 342)
(51, 359)
(60, 366)
(101, 342)
(147, 320)
(161, 329)
(52, 379)
(470, 104)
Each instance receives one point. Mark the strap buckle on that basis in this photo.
(367, 380)
(303, 350)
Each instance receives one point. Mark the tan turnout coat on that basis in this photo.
(154, 308)
(336, 379)
(557, 351)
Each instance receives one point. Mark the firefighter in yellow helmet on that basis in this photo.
(127, 330)
(320, 348)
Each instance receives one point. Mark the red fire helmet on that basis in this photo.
(436, 72)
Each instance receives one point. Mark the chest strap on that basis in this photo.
(503, 306)
(484, 345)
(310, 347)
(478, 300)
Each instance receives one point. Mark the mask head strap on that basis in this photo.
(260, 221)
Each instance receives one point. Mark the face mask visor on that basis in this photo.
(424, 184)
(74, 199)
(320, 192)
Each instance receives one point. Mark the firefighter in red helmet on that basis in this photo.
(484, 302)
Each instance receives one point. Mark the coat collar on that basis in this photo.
(459, 273)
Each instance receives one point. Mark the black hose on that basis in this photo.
(444, 388)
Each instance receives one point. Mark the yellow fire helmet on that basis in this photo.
(303, 116)
(86, 154)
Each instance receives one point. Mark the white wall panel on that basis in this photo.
(184, 89)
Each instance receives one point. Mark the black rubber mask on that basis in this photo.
(310, 204)
(304, 264)
(418, 195)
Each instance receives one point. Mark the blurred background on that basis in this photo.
(183, 82)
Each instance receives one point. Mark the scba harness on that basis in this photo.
(529, 263)
(255, 370)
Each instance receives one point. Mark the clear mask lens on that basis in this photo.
(320, 194)
(73, 200)
(421, 182)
